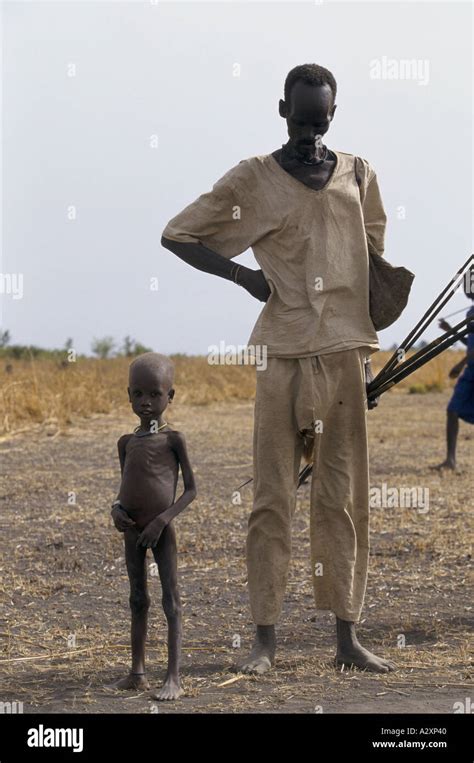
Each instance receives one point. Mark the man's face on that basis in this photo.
(308, 115)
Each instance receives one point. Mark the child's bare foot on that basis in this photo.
(448, 464)
(262, 656)
(132, 681)
(358, 657)
(170, 690)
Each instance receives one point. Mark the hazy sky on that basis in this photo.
(86, 86)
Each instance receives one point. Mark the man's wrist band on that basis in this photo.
(234, 272)
(115, 503)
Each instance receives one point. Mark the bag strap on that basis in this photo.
(358, 178)
(370, 247)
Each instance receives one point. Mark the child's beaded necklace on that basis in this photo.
(145, 434)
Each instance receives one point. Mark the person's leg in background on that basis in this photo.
(460, 406)
(452, 430)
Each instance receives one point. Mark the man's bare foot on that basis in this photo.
(132, 681)
(170, 690)
(351, 654)
(448, 464)
(359, 657)
(262, 656)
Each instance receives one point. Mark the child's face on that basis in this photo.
(149, 393)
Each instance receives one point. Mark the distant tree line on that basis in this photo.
(105, 347)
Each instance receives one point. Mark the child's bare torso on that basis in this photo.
(150, 477)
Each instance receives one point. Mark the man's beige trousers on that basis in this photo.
(326, 392)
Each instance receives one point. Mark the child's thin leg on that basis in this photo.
(165, 554)
(139, 605)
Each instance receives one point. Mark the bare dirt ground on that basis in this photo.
(64, 617)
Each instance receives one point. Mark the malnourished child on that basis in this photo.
(150, 458)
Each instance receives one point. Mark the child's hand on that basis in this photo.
(151, 534)
(121, 519)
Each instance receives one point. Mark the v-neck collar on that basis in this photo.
(299, 183)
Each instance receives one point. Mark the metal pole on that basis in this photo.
(381, 380)
(416, 361)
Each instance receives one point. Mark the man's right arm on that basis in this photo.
(218, 226)
(208, 261)
(200, 257)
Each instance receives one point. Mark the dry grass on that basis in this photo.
(56, 395)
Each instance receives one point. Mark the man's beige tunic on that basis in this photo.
(311, 246)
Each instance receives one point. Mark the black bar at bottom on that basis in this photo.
(145, 736)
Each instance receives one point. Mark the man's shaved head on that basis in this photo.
(310, 74)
